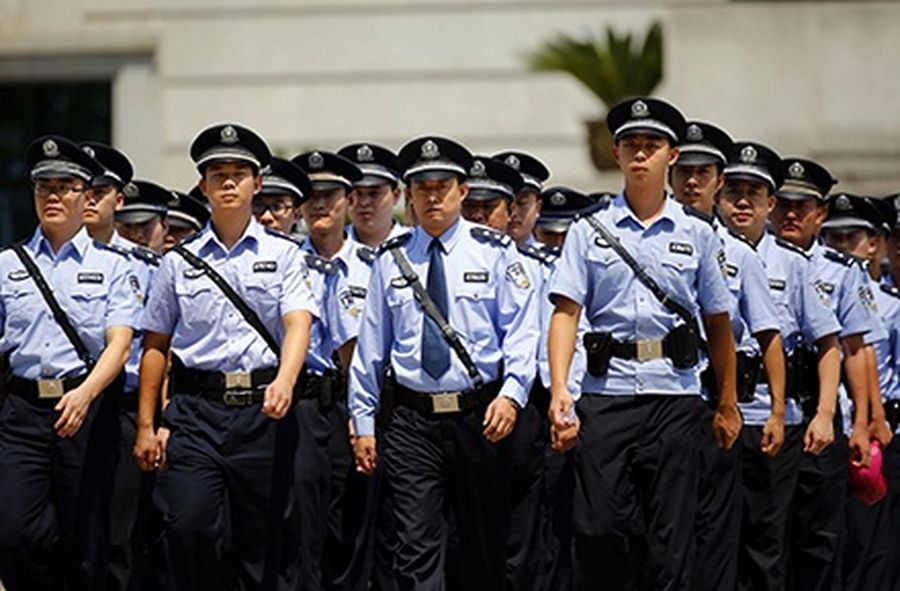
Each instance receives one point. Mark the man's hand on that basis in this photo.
(819, 434)
(147, 450)
(859, 445)
(162, 443)
(277, 400)
(364, 451)
(880, 431)
(727, 425)
(773, 435)
(499, 418)
(74, 406)
(564, 423)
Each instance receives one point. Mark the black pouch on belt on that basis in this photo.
(598, 346)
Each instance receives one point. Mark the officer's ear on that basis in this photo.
(770, 202)
(673, 155)
(463, 189)
(257, 183)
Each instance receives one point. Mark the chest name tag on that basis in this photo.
(731, 270)
(265, 266)
(90, 277)
(19, 275)
(777, 284)
(681, 248)
(475, 277)
(826, 287)
(193, 273)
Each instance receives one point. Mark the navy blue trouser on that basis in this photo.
(52, 497)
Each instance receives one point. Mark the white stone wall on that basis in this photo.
(818, 79)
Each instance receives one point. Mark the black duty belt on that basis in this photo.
(45, 391)
(239, 388)
(438, 403)
(639, 350)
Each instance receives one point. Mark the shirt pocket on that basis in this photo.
(23, 304)
(88, 309)
(678, 275)
(476, 308)
(199, 305)
(405, 316)
(263, 294)
(607, 274)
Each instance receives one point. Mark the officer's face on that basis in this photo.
(175, 235)
(325, 210)
(644, 158)
(437, 203)
(493, 213)
(59, 201)
(697, 185)
(101, 204)
(230, 185)
(523, 214)
(745, 206)
(550, 238)
(372, 208)
(276, 212)
(151, 233)
(857, 242)
(798, 221)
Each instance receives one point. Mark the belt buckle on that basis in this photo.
(445, 402)
(238, 398)
(238, 380)
(649, 349)
(48, 389)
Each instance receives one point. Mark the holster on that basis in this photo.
(682, 346)
(747, 374)
(598, 346)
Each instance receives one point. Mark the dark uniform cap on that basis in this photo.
(887, 211)
(894, 200)
(560, 206)
(533, 171)
(379, 165)
(229, 142)
(805, 179)
(645, 115)
(490, 179)
(704, 143)
(197, 194)
(117, 168)
(283, 177)
(143, 201)
(53, 156)
(434, 158)
(750, 161)
(187, 212)
(327, 170)
(851, 212)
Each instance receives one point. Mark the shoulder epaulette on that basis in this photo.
(741, 238)
(112, 248)
(145, 254)
(539, 253)
(838, 257)
(697, 214)
(283, 236)
(366, 254)
(398, 240)
(791, 247)
(321, 264)
(890, 290)
(486, 234)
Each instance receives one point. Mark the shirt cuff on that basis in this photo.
(364, 426)
(512, 389)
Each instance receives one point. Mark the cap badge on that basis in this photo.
(51, 150)
(228, 135)
(131, 191)
(842, 203)
(639, 109)
(89, 151)
(513, 162)
(694, 134)
(796, 170)
(316, 161)
(749, 155)
(430, 150)
(477, 169)
(364, 154)
(558, 199)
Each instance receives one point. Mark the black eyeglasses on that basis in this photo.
(59, 189)
(277, 208)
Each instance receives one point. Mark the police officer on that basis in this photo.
(57, 428)
(492, 186)
(696, 179)
(458, 385)
(105, 196)
(234, 307)
(525, 207)
(284, 187)
(637, 456)
(375, 195)
(187, 215)
(817, 530)
(142, 218)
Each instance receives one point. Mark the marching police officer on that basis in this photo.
(142, 219)
(450, 309)
(375, 194)
(234, 307)
(525, 207)
(67, 310)
(284, 187)
(641, 268)
(187, 215)
(492, 187)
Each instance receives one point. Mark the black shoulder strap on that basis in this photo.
(432, 311)
(62, 319)
(640, 272)
(249, 315)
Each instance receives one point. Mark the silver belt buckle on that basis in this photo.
(50, 389)
(238, 380)
(445, 402)
(649, 349)
(238, 398)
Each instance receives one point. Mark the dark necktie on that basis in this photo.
(435, 350)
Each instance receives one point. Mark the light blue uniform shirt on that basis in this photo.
(267, 271)
(93, 286)
(888, 298)
(491, 307)
(680, 251)
(579, 361)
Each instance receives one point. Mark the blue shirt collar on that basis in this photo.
(250, 239)
(622, 212)
(449, 239)
(76, 247)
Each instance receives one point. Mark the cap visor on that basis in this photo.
(483, 195)
(135, 217)
(696, 159)
(432, 175)
(556, 226)
(847, 224)
(750, 177)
